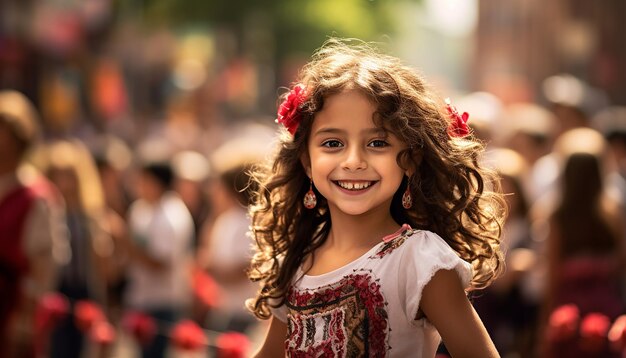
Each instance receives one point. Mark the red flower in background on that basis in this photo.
(51, 310)
(458, 127)
(232, 345)
(102, 333)
(563, 322)
(593, 331)
(289, 111)
(205, 288)
(187, 335)
(87, 313)
(141, 326)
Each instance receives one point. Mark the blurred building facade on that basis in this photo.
(521, 42)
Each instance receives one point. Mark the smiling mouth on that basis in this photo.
(354, 185)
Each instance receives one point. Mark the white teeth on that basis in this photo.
(353, 185)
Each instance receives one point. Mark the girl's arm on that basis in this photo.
(274, 344)
(446, 306)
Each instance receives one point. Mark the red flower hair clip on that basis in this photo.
(289, 111)
(458, 127)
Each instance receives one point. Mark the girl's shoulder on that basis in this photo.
(424, 252)
(414, 241)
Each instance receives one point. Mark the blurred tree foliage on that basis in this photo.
(289, 26)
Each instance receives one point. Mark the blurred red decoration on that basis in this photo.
(617, 334)
(52, 308)
(102, 333)
(187, 335)
(109, 93)
(593, 332)
(87, 313)
(563, 322)
(57, 30)
(232, 345)
(205, 288)
(141, 326)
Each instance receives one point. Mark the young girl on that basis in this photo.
(374, 217)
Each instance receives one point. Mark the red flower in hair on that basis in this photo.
(458, 127)
(289, 111)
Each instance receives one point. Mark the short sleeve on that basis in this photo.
(424, 254)
(280, 313)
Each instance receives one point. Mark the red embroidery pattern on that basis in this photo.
(393, 244)
(346, 319)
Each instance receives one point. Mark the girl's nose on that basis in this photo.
(354, 160)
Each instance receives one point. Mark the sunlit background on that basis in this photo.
(110, 65)
(196, 82)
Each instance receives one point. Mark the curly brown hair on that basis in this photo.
(453, 195)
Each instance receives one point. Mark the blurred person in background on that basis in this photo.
(70, 166)
(611, 122)
(508, 310)
(229, 249)
(585, 249)
(31, 227)
(573, 101)
(191, 171)
(160, 249)
(227, 245)
(113, 159)
(530, 130)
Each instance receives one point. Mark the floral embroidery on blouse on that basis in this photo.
(392, 244)
(345, 319)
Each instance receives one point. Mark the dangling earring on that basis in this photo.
(310, 200)
(407, 199)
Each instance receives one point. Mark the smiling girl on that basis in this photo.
(374, 219)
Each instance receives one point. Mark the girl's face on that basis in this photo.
(352, 162)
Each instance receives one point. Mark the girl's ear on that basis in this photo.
(411, 164)
(306, 163)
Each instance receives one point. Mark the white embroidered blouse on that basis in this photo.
(368, 307)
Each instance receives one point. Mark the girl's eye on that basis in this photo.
(378, 143)
(331, 143)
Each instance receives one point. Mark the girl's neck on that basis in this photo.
(353, 232)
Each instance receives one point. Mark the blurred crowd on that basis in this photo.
(124, 183)
(148, 230)
(128, 249)
(562, 164)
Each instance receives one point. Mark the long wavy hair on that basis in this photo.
(453, 195)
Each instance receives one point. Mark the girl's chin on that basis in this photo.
(353, 210)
